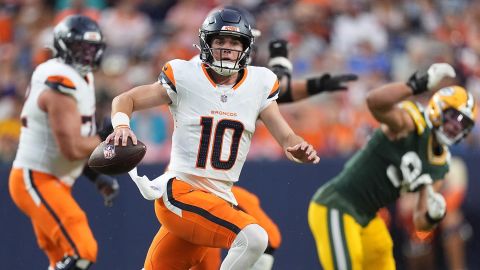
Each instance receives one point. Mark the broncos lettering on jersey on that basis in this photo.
(214, 124)
(37, 149)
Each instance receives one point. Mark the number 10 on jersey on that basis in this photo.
(217, 142)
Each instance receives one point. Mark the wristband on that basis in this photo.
(120, 119)
(418, 83)
(313, 86)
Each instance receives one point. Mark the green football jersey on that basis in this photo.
(376, 175)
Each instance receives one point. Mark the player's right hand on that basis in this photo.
(120, 135)
(422, 81)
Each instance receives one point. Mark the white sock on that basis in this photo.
(247, 247)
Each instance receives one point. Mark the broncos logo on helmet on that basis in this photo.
(79, 42)
(225, 22)
(452, 112)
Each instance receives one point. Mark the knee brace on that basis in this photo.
(73, 263)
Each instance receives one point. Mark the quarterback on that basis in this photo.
(215, 104)
(408, 153)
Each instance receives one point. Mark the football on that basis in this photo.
(112, 159)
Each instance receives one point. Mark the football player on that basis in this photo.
(408, 153)
(57, 136)
(215, 104)
(290, 91)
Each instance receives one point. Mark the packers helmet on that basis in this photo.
(452, 112)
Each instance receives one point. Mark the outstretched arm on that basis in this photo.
(295, 147)
(383, 100)
(295, 90)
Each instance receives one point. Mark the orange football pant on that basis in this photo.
(60, 225)
(192, 222)
(250, 204)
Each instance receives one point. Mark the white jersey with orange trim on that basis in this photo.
(38, 149)
(214, 124)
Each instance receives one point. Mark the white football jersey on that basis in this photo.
(38, 149)
(214, 124)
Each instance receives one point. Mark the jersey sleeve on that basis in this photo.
(62, 84)
(273, 90)
(416, 114)
(167, 80)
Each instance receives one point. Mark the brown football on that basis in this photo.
(116, 159)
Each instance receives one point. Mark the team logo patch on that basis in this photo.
(92, 36)
(223, 98)
(230, 28)
(109, 151)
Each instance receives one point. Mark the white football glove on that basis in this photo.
(437, 72)
(436, 205)
(421, 82)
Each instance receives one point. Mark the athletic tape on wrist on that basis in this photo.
(120, 119)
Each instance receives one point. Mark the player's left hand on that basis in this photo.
(329, 83)
(436, 205)
(302, 153)
(108, 187)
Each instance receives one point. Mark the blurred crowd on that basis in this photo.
(380, 40)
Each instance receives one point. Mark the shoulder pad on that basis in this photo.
(416, 112)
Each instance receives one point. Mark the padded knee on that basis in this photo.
(254, 237)
(247, 247)
(73, 263)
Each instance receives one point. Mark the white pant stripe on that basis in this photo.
(28, 185)
(338, 247)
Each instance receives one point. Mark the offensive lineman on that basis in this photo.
(57, 136)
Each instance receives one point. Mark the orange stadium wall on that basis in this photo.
(124, 232)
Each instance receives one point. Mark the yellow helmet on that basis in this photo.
(452, 111)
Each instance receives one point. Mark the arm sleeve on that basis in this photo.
(415, 112)
(167, 80)
(273, 91)
(61, 84)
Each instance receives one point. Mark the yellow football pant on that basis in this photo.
(342, 243)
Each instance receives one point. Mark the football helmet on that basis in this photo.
(248, 16)
(452, 112)
(225, 22)
(79, 42)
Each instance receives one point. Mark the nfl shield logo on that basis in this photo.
(223, 98)
(109, 151)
